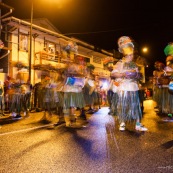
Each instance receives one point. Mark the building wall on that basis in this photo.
(19, 42)
(4, 61)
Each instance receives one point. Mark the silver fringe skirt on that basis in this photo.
(128, 106)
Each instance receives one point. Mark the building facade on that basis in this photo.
(33, 50)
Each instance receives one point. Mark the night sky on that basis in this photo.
(102, 22)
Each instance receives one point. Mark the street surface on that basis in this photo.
(33, 146)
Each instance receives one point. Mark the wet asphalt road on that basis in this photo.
(31, 146)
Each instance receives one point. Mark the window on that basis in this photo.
(50, 48)
(23, 42)
(97, 60)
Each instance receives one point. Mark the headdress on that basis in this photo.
(169, 49)
(125, 42)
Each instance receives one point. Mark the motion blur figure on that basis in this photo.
(126, 73)
(1, 98)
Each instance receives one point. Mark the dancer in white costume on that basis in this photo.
(126, 73)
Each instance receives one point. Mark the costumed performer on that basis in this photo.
(127, 74)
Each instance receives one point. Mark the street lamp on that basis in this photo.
(145, 50)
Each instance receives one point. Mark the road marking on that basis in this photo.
(24, 130)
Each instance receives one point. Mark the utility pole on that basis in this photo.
(0, 20)
(30, 52)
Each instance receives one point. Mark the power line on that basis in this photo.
(143, 26)
(93, 32)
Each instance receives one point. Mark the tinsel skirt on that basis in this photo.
(73, 99)
(19, 102)
(165, 100)
(128, 106)
(114, 102)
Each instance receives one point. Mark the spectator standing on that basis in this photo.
(2, 98)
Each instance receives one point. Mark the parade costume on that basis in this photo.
(19, 99)
(126, 75)
(128, 99)
(1, 98)
(165, 98)
(48, 98)
(38, 100)
(159, 90)
(111, 90)
(73, 88)
(73, 96)
(25, 96)
(91, 95)
(60, 96)
(90, 91)
(114, 98)
(14, 100)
